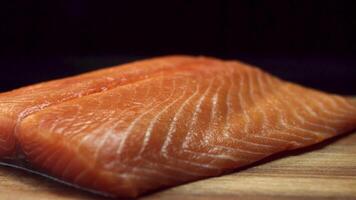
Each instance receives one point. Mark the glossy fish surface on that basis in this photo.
(162, 124)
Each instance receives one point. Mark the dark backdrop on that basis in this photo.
(309, 42)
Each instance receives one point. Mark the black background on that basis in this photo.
(309, 42)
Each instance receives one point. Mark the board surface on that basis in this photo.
(323, 171)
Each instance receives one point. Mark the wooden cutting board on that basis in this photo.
(324, 171)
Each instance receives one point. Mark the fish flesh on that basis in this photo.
(161, 125)
(16, 105)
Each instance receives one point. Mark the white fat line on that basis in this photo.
(282, 117)
(234, 150)
(128, 131)
(333, 101)
(194, 119)
(327, 110)
(311, 113)
(172, 127)
(213, 112)
(149, 130)
(172, 167)
(244, 140)
(301, 119)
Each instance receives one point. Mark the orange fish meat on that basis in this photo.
(16, 105)
(169, 125)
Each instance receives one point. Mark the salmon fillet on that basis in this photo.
(199, 119)
(17, 104)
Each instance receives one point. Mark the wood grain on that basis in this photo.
(324, 171)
